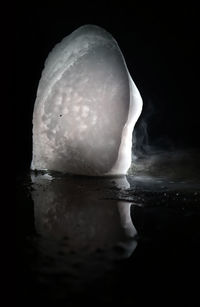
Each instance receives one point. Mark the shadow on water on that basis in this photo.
(100, 241)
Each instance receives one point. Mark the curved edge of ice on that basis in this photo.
(124, 159)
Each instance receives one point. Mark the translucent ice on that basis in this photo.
(86, 107)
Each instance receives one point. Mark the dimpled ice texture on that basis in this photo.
(86, 107)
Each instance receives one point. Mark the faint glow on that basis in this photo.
(86, 107)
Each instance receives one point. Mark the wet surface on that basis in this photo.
(99, 241)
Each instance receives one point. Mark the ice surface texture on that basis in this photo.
(86, 107)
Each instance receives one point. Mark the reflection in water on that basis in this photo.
(85, 234)
(78, 211)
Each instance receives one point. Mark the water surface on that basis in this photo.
(114, 240)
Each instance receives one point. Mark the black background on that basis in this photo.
(159, 44)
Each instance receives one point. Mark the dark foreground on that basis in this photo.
(128, 241)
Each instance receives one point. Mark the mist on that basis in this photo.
(158, 156)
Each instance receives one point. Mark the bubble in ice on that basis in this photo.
(86, 107)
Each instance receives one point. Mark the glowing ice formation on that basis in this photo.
(86, 107)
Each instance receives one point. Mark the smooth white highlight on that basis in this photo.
(86, 107)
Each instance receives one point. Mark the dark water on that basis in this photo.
(128, 241)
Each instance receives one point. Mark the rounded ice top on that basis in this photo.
(86, 107)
